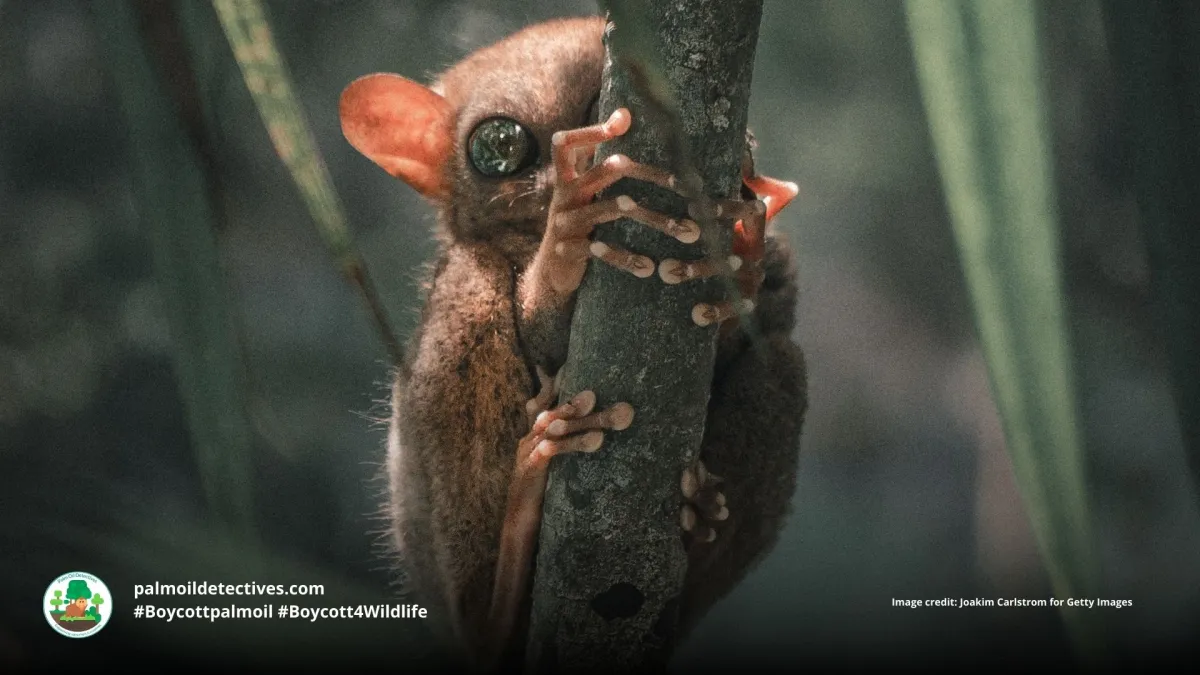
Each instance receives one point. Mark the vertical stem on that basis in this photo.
(979, 66)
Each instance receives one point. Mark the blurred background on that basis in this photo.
(905, 490)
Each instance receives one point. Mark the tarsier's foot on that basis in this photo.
(570, 427)
(749, 232)
(705, 504)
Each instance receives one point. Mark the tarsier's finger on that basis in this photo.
(750, 227)
(575, 250)
(682, 229)
(618, 417)
(570, 264)
(566, 142)
(689, 482)
(580, 404)
(698, 486)
(674, 271)
(727, 209)
(589, 442)
(638, 265)
(580, 221)
(614, 169)
(705, 314)
(697, 477)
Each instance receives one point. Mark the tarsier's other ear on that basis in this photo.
(402, 126)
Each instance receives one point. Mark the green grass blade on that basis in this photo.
(249, 33)
(978, 65)
(174, 207)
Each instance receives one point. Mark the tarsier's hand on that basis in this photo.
(575, 213)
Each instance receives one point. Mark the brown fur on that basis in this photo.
(458, 402)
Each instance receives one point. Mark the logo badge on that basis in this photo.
(77, 604)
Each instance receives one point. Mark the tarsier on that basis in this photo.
(503, 144)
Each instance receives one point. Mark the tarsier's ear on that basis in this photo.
(402, 126)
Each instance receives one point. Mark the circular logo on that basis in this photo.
(77, 604)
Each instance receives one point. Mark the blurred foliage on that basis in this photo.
(249, 33)
(173, 204)
(1156, 50)
(980, 70)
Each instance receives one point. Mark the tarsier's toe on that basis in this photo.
(673, 271)
(692, 525)
(574, 427)
(589, 442)
(705, 314)
(705, 504)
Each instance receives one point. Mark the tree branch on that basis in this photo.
(611, 561)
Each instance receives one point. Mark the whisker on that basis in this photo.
(509, 188)
(532, 190)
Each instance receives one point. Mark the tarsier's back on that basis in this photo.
(502, 146)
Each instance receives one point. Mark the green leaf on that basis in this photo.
(249, 33)
(978, 65)
(174, 207)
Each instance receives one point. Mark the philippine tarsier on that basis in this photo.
(503, 144)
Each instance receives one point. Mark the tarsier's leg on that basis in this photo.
(570, 427)
(751, 441)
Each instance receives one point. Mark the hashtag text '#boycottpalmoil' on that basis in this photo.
(282, 611)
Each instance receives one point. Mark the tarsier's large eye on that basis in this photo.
(499, 146)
